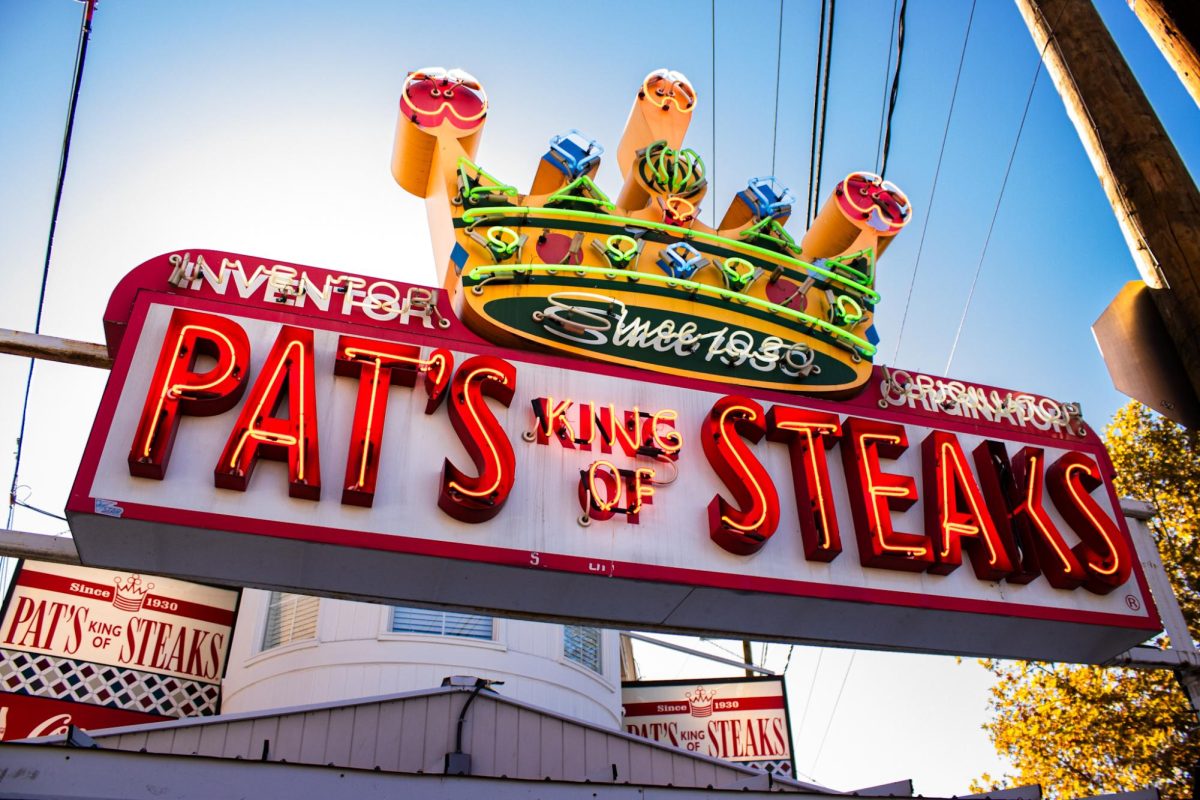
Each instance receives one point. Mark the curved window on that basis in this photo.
(441, 623)
(290, 618)
(581, 644)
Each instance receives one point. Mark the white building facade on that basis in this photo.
(292, 649)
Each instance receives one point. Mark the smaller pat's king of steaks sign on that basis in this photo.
(112, 641)
(743, 720)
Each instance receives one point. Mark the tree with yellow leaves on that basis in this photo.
(1081, 730)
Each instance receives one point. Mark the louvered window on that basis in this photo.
(441, 623)
(582, 645)
(290, 618)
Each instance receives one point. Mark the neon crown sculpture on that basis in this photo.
(641, 280)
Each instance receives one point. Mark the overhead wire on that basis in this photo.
(723, 648)
(85, 30)
(778, 69)
(937, 171)
(887, 74)
(833, 712)
(1037, 73)
(812, 142)
(712, 169)
(816, 171)
(895, 93)
(808, 699)
(40, 511)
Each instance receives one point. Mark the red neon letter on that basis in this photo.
(668, 444)
(1102, 550)
(288, 371)
(1002, 498)
(602, 487)
(1059, 564)
(551, 420)
(177, 388)
(640, 489)
(378, 365)
(875, 494)
(808, 435)
(954, 509)
(746, 529)
(625, 435)
(477, 499)
(599, 503)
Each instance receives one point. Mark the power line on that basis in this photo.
(723, 648)
(833, 713)
(812, 141)
(887, 129)
(808, 700)
(937, 171)
(89, 6)
(1000, 197)
(712, 170)
(887, 73)
(778, 68)
(816, 178)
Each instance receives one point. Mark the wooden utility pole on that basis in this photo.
(1155, 201)
(1174, 25)
(52, 348)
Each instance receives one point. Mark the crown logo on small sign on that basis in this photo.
(700, 702)
(131, 593)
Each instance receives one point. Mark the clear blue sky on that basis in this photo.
(265, 128)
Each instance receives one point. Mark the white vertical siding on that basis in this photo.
(413, 734)
(355, 655)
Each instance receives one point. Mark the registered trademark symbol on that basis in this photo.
(1133, 603)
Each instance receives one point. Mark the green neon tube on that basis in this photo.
(471, 214)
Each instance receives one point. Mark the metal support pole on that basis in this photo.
(1181, 656)
(53, 348)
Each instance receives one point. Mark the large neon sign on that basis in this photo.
(515, 481)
